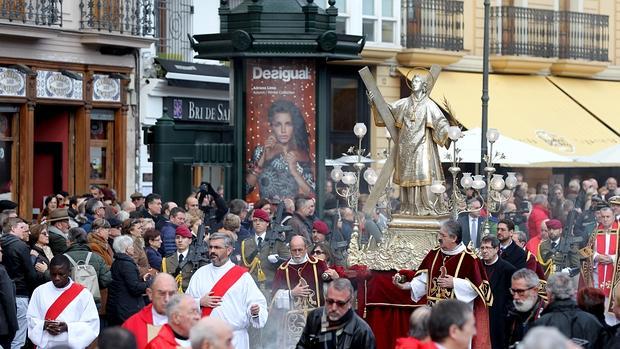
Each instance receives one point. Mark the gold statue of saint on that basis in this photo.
(421, 127)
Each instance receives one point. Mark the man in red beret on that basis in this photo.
(551, 254)
(263, 252)
(180, 264)
(320, 230)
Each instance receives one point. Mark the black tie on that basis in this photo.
(180, 259)
(260, 242)
(554, 245)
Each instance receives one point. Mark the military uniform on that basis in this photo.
(552, 259)
(255, 259)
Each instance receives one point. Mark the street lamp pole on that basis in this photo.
(485, 85)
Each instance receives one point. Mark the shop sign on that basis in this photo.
(12, 82)
(51, 84)
(199, 110)
(106, 89)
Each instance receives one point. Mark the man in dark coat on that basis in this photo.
(525, 307)
(499, 272)
(472, 220)
(21, 270)
(563, 313)
(8, 310)
(336, 322)
(508, 249)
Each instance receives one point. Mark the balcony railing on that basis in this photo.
(132, 17)
(433, 24)
(173, 21)
(532, 32)
(584, 36)
(37, 12)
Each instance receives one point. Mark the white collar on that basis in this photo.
(557, 241)
(493, 262)
(502, 247)
(260, 236)
(158, 319)
(458, 249)
(303, 260)
(184, 253)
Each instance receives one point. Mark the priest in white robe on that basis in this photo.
(62, 312)
(228, 292)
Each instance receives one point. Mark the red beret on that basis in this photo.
(262, 214)
(320, 227)
(183, 231)
(554, 224)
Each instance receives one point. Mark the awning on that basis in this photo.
(597, 96)
(188, 74)
(529, 109)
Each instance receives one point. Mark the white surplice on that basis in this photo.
(80, 316)
(236, 303)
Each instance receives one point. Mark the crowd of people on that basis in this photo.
(154, 268)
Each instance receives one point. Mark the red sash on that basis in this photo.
(61, 302)
(222, 285)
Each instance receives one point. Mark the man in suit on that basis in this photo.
(499, 273)
(508, 249)
(471, 223)
(263, 253)
(179, 263)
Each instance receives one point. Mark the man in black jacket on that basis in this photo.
(20, 268)
(508, 249)
(8, 310)
(525, 307)
(563, 313)
(336, 323)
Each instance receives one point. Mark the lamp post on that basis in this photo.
(485, 83)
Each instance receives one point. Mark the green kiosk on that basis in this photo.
(274, 145)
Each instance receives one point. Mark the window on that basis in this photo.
(379, 20)
(7, 133)
(342, 20)
(102, 147)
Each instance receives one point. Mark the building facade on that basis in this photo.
(68, 96)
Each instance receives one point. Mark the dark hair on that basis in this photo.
(261, 203)
(490, 239)
(35, 232)
(149, 235)
(73, 200)
(78, 236)
(592, 300)
(116, 338)
(60, 260)
(152, 197)
(453, 228)
(329, 254)
(509, 223)
(300, 139)
(236, 206)
(175, 210)
(128, 224)
(49, 198)
(445, 314)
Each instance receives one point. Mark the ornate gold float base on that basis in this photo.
(405, 243)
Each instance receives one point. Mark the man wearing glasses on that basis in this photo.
(526, 307)
(336, 325)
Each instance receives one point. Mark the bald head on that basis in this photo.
(298, 247)
(163, 287)
(211, 333)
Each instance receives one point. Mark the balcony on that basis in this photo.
(33, 12)
(528, 40)
(432, 32)
(131, 17)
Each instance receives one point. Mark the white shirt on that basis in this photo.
(262, 236)
(236, 302)
(184, 253)
(80, 316)
(158, 319)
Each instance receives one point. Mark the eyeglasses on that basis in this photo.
(520, 292)
(340, 304)
(317, 252)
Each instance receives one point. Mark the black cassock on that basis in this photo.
(499, 274)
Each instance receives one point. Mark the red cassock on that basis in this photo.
(533, 265)
(164, 340)
(465, 265)
(606, 244)
(288, 276)
(141, 325)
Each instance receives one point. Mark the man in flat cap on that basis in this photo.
(556, 255)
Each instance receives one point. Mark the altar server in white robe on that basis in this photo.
(226, 291)
(62, 312)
